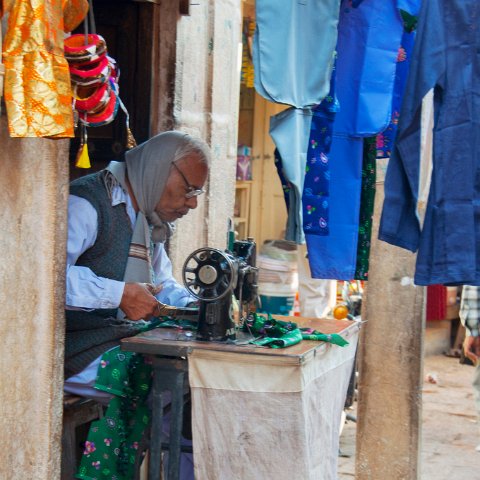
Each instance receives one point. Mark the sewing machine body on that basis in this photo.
(213, 276)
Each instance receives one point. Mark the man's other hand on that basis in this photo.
(471, 348)
(138, 301)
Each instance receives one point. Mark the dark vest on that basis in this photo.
(89, 334)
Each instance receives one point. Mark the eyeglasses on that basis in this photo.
(191, 190)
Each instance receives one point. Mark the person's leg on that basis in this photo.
(82, 384)
(316, 296)
(476, 391)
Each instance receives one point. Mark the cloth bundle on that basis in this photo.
(280, 334)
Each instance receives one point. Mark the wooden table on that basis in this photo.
(169, 350)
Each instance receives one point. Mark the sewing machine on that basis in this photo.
(213, 276)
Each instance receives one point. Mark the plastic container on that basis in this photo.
(275, 299)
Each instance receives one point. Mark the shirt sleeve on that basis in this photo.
(84, 289)
(172, 292)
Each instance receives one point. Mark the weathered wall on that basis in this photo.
(33, 190)
(206, 104)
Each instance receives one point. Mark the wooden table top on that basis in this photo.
(173, 342)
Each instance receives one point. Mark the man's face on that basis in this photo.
(187, 172)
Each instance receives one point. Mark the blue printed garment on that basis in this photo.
(316, 189)
(333, 256)
(446, 59)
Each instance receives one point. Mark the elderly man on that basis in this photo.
(117, 267)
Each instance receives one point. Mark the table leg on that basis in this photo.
(155, 455)
(176, 421)
(168, 374)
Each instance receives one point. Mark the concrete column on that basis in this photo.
(33, 192)
(207, 87)
(389, 406)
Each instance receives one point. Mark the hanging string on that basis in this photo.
(131, 142)
(91, 16)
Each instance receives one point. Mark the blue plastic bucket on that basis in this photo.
(275, 299)
(275, 305)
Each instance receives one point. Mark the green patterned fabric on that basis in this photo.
(279, 334)
(367, 203)
(410, 22)
(113, 441)
(335, 338)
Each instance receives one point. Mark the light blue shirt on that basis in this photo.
(84, 289)
(293, 50)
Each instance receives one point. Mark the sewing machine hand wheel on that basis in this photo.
(209, 274)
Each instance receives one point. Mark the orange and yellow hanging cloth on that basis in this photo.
(38, 94)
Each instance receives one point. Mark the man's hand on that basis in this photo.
(138, 301)
(471, 348)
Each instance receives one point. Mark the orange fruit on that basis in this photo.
(340, 312)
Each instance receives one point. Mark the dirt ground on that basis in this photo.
(450, 428)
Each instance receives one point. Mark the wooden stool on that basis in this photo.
(77, 411)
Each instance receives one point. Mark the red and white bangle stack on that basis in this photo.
(94, 78)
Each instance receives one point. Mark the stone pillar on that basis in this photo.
(33, 192)
(207, 87)
(390, 364)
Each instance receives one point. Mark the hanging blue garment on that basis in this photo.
(290, 131)
(331, 215)
(368, 41)
(446, 59)
(368, 44)
(316, 189)
(293, 50)
(386, 139)
(333, 256)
